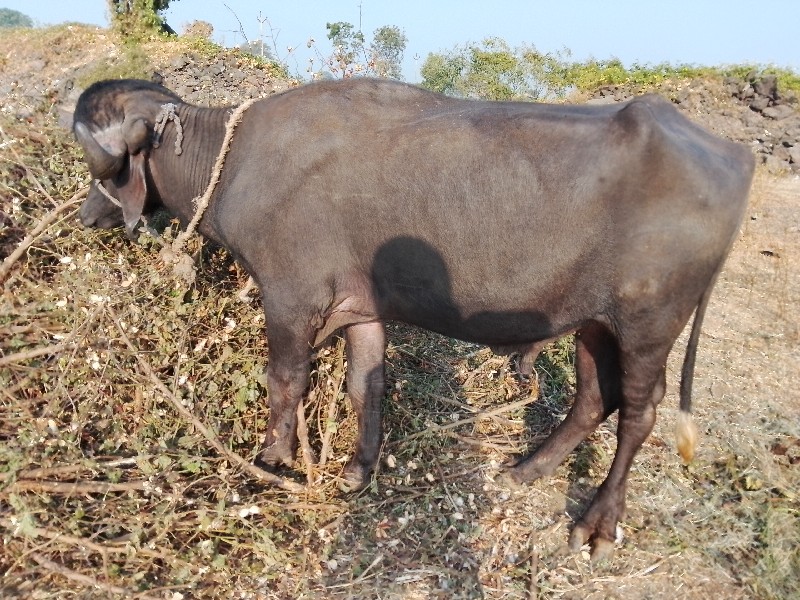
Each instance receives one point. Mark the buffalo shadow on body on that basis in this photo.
(412, 284)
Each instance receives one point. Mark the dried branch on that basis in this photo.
(35, 352)
(85, 543)
(477, 417)
(46, 221)
(45, 472)
(506, 448)
(75, 487)
(212, 438)
(332, 409)
(87, 580)
(309, 459)
(533, 571)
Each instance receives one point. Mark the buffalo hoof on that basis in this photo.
(355, 478)
(602, 549)
(272, 458)
(509, 480)
(527, 470)
(524, 366)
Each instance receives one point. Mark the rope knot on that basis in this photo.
(166, 115)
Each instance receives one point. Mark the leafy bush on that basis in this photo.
(494, 70)
(13, 18)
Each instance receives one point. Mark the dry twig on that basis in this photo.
(83, 543)
(477, 417)
(75, 487)
(46, 221)
(330, 419)
(307, 452)
(34, 353)
(533, 574)
(45, 472)
(85, 579)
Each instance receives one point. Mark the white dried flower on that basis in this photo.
(250, 510)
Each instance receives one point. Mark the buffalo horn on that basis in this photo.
(102, 164)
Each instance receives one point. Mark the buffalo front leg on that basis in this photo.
(365, 345)
(598, 392)
(287, 380)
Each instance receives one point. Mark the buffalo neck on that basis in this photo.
(180, 178)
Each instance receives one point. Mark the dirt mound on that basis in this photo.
(44, 71)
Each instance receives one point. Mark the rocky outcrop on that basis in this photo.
(751, 109)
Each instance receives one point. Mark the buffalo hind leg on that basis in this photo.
(643, 387)
(365, 344)
(288, 374)
(598, 392)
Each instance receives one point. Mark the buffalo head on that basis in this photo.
(99, 211)
(113, 123)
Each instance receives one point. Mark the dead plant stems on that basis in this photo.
(477, 417)
(309, 460)
(330, 418)
(45, 472)
(46, 221)
(85, 579)
(75, 487)
(34, 353)
(212, 438)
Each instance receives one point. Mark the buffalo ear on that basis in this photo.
(136, 134)
(132, 187)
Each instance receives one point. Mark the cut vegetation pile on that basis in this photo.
(116, 381)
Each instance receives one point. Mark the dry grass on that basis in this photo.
(107, 491)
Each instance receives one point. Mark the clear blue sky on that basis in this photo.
(702, 32)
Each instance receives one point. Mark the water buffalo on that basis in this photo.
(357, 202)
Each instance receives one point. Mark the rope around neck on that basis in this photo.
(201, 202)
(174, 254)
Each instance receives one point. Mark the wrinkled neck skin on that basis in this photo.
(180, 178)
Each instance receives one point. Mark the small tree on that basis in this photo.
(13, 18)
(493, 70)
(136, 19)
(387, 48)
(442, 72)
(350, 57)
(199, 29)
(348, 48)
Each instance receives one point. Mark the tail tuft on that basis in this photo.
(686, 434)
